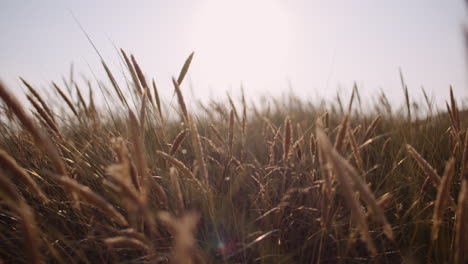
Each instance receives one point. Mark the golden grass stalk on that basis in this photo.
(142, 79)
(175, 186)
(185, 68)
(178, 164)
(371, 129)
(158, 101)
(231, 133)
(351, 100)
(443, 194)
(92, 198)
(455, 113)
(287, 139)
(348, 191)
(366, 194)
(385, 145)
(50, 123)
(356, 151)
(184, 250)
(179, 139)
(39, 137)
(425, 166)
(461, 225)
(114, 84)
(67, 100)
(7, 163)
(143, 113)
(233, 107)
(125, 242)
(39, 98)
(16, 202)
(340, 137)
(138, 151)
(132, 73)
(407, 99)
(180, 98)
(81, 100)
(196, 142)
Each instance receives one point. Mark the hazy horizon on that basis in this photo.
(308, 47)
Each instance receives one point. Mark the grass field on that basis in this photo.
(139, 180)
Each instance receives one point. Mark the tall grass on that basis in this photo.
(230, 182)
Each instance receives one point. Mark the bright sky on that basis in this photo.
(272, 46)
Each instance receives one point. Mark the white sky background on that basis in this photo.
(313, 48)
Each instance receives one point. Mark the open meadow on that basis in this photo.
(141, 180)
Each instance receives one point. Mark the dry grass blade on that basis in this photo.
(16, 202)
(351, 100)
(156, 97)
(179, 139)
(50, 123)
(407, 99)
(233, 107)
(39, 98)
(425, 166)
(178, 164)
(348, 191)
(461, 225)
(180, 97)
(67, 100)
(185, 68)
(340, 137)
(142, 79)
(287, 139)
(196, 142)
(231, 133)
(39, 137)
(92, 198)
(370, 130)
(132, 73)
(356, 151)
(143, 110)
(137, 149)
(81, 100)
(443, 194)
(366, 194)
(455, 112)
(125, 242)
(114, 84)
(7, 163)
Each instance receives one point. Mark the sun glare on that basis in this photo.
(241, 41)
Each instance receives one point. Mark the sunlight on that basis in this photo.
(241, 41)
